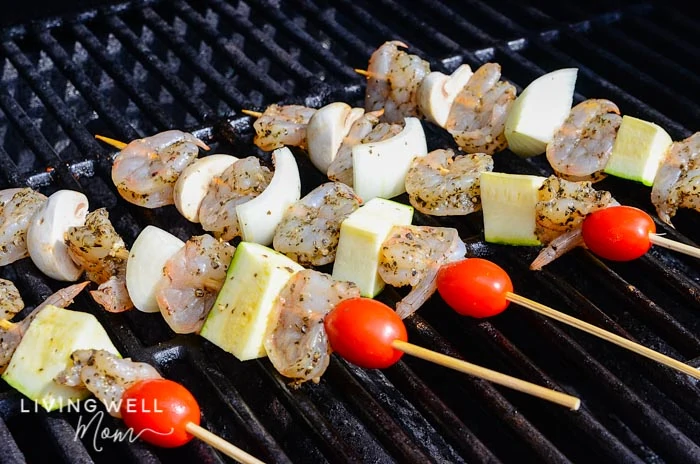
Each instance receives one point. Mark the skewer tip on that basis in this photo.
(255, 114)
(362, 72)
(115, 143)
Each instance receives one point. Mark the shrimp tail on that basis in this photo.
(113, 296)
(419, 294)
(557, 247)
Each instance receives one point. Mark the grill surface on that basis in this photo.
(132, 69)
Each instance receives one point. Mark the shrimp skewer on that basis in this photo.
(677, 181)
(296, 341)
(145, 171)
(581, 147)
(413, 255)
(477, 118)
(561, 208)
(393, 79)
(242, 181)
(98, 249)
(17, 206)
(310, 228)
(191, 280)
(281, 125)
(444, 185)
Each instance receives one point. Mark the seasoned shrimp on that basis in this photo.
(98, 249)
(242, 181)
(444, 185)
(11, 333)
(580, 148)
(146, 170)
(340, 169)
(282, 125)
(17, 205)
(310, 228)
(191, 280)
(562, 206)
(412, 255)
(296, 340)
(105, 375)
(677, 182)
(393, 78)
(10, 300)
(477, 119)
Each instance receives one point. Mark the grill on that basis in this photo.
(134, 68)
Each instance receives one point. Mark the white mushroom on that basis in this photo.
(326, 130)
(46, 234)
(437, 92)
(193, 183)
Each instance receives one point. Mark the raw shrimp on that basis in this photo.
(11, 333)
(310, 228)
(242, 181)
(340, 169)
(393, 78)
(412, 255)
(296, 340)
(98, 249)
(10, 300)
(191, 280)
(105, 375)
(17, 205)
(562, 205)
(561, 208)
(477, 119)
(580, 148)
(282, 125)
(444, 185)
(677, 182)
(146, 170)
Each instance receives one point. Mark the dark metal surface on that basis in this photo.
(131, 69)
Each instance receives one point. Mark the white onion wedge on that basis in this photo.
(539, 110)
(46, 234)
(193, 184)
(379, 168)
(259, 217)
(144, 268)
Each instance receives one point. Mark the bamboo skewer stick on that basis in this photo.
(115, 143)
(604, 334)
(255, 114)
(562, 399)
(674, 245)
(222, 445)
(362, 72)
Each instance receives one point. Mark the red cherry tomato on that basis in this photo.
(474, 287)
(157, 410)
(618, 233)
(361, 330)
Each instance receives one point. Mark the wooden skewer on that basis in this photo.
(562, 399)
(115, 143)
(604, 334)
(222, 445)
(674, 245)
(362, 72)
(255, 114)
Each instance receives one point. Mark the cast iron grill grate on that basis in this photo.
(132, 69)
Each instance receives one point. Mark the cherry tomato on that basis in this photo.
(474, 287)
(361, 330)
(157, 410)
(618, 233)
